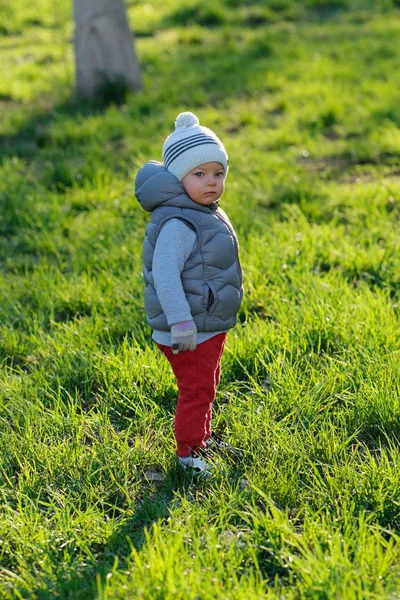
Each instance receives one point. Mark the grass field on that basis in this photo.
(305, 97)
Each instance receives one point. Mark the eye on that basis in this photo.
(220, 173)
(198, 174)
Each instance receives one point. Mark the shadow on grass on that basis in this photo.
(219, 68)
(32, 136)
(156, 506)
(376, 437)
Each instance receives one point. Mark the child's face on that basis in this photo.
(205, 184)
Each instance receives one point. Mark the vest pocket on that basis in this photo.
(212, 299)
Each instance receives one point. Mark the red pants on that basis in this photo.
(197, 374)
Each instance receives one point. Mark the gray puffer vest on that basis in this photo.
(212, 276)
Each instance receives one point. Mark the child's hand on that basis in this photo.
(184, 337)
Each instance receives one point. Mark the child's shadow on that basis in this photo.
(163, 493)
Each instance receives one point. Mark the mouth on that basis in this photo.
(210, 193)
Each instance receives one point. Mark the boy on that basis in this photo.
(192, 274)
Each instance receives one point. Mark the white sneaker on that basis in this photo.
(215, 444)
(198, 462)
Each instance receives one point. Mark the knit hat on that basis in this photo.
(191, 145)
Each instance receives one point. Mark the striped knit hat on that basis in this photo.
(191, 145)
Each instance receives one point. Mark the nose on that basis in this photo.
(212, 180)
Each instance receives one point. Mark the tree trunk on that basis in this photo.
(104, 47)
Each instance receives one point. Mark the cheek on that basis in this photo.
(191, 186)
(196, 186)
(195, 189)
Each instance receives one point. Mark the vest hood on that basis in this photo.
(155, 186)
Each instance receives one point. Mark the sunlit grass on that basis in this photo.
(304, 96)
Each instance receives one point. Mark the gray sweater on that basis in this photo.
(175, 243)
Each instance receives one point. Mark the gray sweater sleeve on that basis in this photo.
(175, 243)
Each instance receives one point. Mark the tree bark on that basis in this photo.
(104, 46)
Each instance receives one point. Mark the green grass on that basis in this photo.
(306, 100)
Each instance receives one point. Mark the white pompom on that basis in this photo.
(186, 119)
